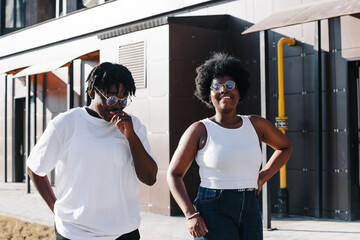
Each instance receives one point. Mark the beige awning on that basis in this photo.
(42, 68)
(307, 13)
(52, 65)
(11, 70)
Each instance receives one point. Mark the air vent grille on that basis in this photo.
(132, 56)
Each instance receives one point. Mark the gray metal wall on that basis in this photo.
(300, 108)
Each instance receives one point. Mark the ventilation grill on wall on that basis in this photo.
(132, 56)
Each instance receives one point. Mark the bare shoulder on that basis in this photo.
(189, 141)
(254, 118)
(195, 130)
(258, 121)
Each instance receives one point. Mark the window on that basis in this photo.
(12, 15)
(132, 56)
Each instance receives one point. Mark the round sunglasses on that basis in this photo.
(113, 100)
(229, 85)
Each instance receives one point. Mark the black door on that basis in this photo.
(20, 140)
(354, 138)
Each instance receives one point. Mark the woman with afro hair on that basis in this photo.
(226, 146)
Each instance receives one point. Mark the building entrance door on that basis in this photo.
(19, 164)
(358, 113)
(355, 160)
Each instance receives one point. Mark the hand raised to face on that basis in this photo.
(123, 122)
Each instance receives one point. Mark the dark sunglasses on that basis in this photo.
(113, 100)
(229, 85)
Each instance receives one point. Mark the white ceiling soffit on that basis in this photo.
(307, 13)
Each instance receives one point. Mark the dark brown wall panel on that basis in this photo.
(294, 110)
(308, 73)
(309, 151)
(328, 111)
(296, 181)
(309, 112)
(293, 75)
(298, 156)
(309, 203)
(330, 191)
(329, 150)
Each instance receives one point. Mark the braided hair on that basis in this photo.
(107, 74)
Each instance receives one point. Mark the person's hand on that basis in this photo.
(260, 182)
(123, 123)
(197, 226)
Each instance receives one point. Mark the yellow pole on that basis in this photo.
(282, 119)
(282, 124)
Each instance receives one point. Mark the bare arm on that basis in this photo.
(43, 186)
(273, 137)
(145, 167)
(179, 165)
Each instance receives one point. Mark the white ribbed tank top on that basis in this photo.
(231, 158)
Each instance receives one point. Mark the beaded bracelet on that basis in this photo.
(192, 215)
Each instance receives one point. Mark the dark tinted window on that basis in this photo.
(12, 15)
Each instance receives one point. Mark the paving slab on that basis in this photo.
(15, 202)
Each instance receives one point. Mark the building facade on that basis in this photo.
(47, 49)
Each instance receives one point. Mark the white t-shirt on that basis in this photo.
(231, 158)
(97, 188)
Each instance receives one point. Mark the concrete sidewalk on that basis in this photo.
(30, 207)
